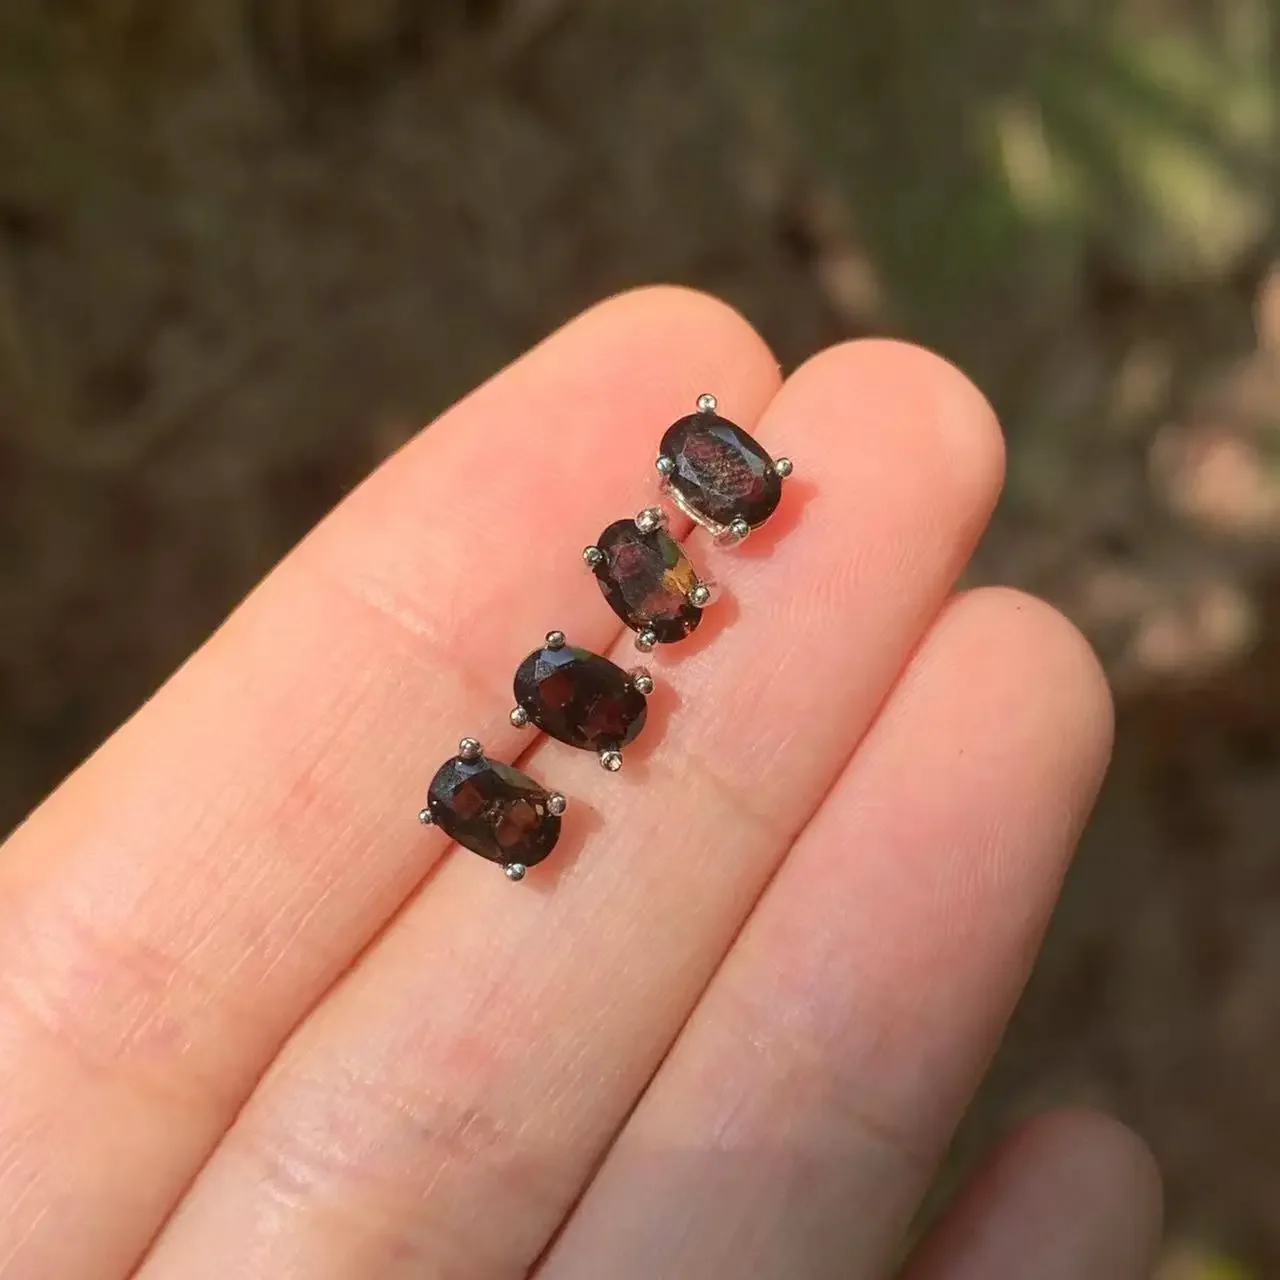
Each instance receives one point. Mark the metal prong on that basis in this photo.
(642, 680)
(519, 717)
(424, 817)
(469, 749)
(666, 466)
(707, 403)
(516, 871)
(700, 596)
(611, 760)
(556, 804)
(783, 467)
(651, 519)
(735, 533)
(556, 640)
(593, 556)
(646, 641)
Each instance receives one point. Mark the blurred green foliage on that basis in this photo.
(983, 148)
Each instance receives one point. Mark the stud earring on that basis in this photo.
(582, 699)
(718, 475)
(494, 810)
(648, 580)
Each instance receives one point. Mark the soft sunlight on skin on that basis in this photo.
(257, 1022)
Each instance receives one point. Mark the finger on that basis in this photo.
(439, 1115)
(170, 914)
(796, 1122)
(1070, 1196)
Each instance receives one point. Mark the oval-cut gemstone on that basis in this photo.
(646, 578)
(493, 810)
(580, 698)
(721, 474)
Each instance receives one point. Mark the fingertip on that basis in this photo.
(668, 320)
(1072, 1193)
(1093, 1157)
(1066, 667)
(906, 388)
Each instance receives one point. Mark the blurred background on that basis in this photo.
(248, 246)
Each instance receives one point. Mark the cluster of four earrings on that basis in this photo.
(721, 478)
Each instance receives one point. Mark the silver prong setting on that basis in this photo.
(611, 761)
(707, 403)
(651, 519)
(642, 680)
(469, 749)
(557, 804)
(556, 640)
(700, 596)
(666, 466)
(515, 871)
(735, 533)
(424, 817)
(783, 467)
(646, 641)
(593, 557)
(519, 717)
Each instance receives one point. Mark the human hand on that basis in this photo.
(256, 1022)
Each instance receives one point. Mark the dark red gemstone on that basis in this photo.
(721, 473)
(493, 810)
(580, 698)
(647, 578)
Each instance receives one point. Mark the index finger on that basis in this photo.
(170, 914)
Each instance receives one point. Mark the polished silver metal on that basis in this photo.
(611, 760)
(700, 596)
(783, 467)
(516, 871)
(707, 403)
(651, 519)
(469, 749)
(424, 817)
(646, 641)
(642, 680)
(731, 535)
(556, 640)
(556, 804)
(519, 717)
(666, 466)
(711, 526)
(593, 556)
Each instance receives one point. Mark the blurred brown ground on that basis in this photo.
(248, 246)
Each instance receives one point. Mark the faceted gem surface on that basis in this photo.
(646, 578)
(580, 698)
(721, 473)
(493, 810)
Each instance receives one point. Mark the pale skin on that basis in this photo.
(255, 1021)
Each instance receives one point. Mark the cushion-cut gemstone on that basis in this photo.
(647, 578)
(493, 810)
(580, 698)
(721, 474)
